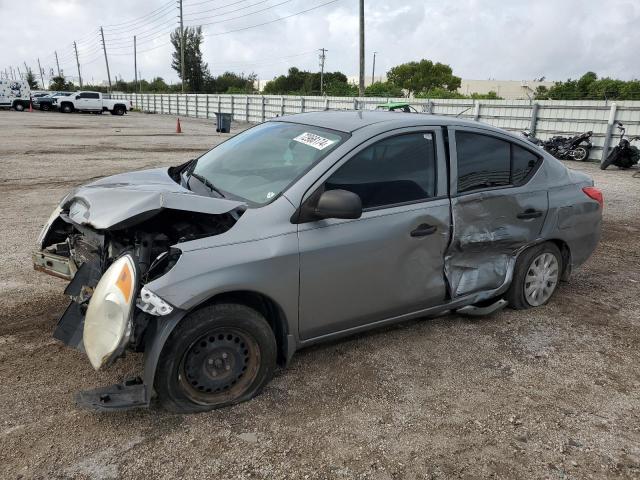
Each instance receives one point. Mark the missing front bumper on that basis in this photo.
(52, 264)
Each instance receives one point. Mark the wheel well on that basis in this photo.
(565, 251)
(120, 105)
(267, 307)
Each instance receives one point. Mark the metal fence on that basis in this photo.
(544, 118)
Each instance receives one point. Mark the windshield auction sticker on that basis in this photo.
(315, 141)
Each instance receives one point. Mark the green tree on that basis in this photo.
(439, 93)
(31, 78)
(299, 82)
(230, 82)
(60, 83)
(422, 76)
(196, 70)
(383, 89)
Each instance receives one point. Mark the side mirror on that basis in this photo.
(77, 97)
(339, 204)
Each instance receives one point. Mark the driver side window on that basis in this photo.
(393, 171)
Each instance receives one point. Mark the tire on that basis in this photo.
(524, 281)
(217, 356)
(18, 107)
(580, 154)
(45, 107)
(119, 110)
(66, 108)
(612, 158)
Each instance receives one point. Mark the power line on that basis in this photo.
(271, 21)
(240, 16)
(146, 16)
(223, 6)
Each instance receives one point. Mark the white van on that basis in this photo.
(14, 94)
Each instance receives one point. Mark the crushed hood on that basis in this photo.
(125, 199)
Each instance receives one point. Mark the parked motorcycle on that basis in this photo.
(565, 148)
(623, 155)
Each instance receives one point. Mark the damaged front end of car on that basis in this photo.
(110, 240)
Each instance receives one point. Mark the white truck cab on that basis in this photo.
(15, 94)
(92, 102)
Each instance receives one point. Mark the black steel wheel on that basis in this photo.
(217, 356)
(45, 107)
(219, 365)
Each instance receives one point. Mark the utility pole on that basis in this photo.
(135, 65)
(41, 76)
(57, 64)
(106, 60)
(323, 56)
(373, 71)
(361, 83)
(75, 47)
(181, 47)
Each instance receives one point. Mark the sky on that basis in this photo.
(480, 39)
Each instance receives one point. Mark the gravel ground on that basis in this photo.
(552, 392)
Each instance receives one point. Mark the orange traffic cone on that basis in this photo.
(178, 129)
(30, 106)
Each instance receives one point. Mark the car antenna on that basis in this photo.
(466, 109)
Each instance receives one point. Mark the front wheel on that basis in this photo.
(66, 108)
(611, 159)
(45, 107)
(217, 356)
(535, 277)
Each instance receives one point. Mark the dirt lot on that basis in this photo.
(553, 392)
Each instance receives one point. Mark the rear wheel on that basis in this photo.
(580, 154)
(119, 110)
(18, 106)
(536, 276)
(217, 356)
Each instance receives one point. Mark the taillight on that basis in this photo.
(595, 194)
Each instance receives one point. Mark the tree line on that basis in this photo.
(420, 79)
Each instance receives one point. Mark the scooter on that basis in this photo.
(624, 155)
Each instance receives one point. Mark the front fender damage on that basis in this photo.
(151, 236)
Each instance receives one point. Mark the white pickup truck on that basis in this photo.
(92, 102)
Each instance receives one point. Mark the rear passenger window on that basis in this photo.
(483, 161)
(488, 162)
(522, 163)
(395, 170)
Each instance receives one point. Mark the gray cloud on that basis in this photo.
(515, 39)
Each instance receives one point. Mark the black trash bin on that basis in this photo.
(223, 121)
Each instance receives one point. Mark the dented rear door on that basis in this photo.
(495, 209)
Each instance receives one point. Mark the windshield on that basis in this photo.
(259, 163)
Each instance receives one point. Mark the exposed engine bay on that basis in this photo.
(83, 254)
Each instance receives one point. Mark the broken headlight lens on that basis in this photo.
(107, 324)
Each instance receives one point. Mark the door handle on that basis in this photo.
(529, 213)
(423, 230)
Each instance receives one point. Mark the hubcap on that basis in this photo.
(541, 279)
(219, 366)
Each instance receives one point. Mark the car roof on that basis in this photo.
(348, 121)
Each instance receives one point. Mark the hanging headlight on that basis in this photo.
(107, 323)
